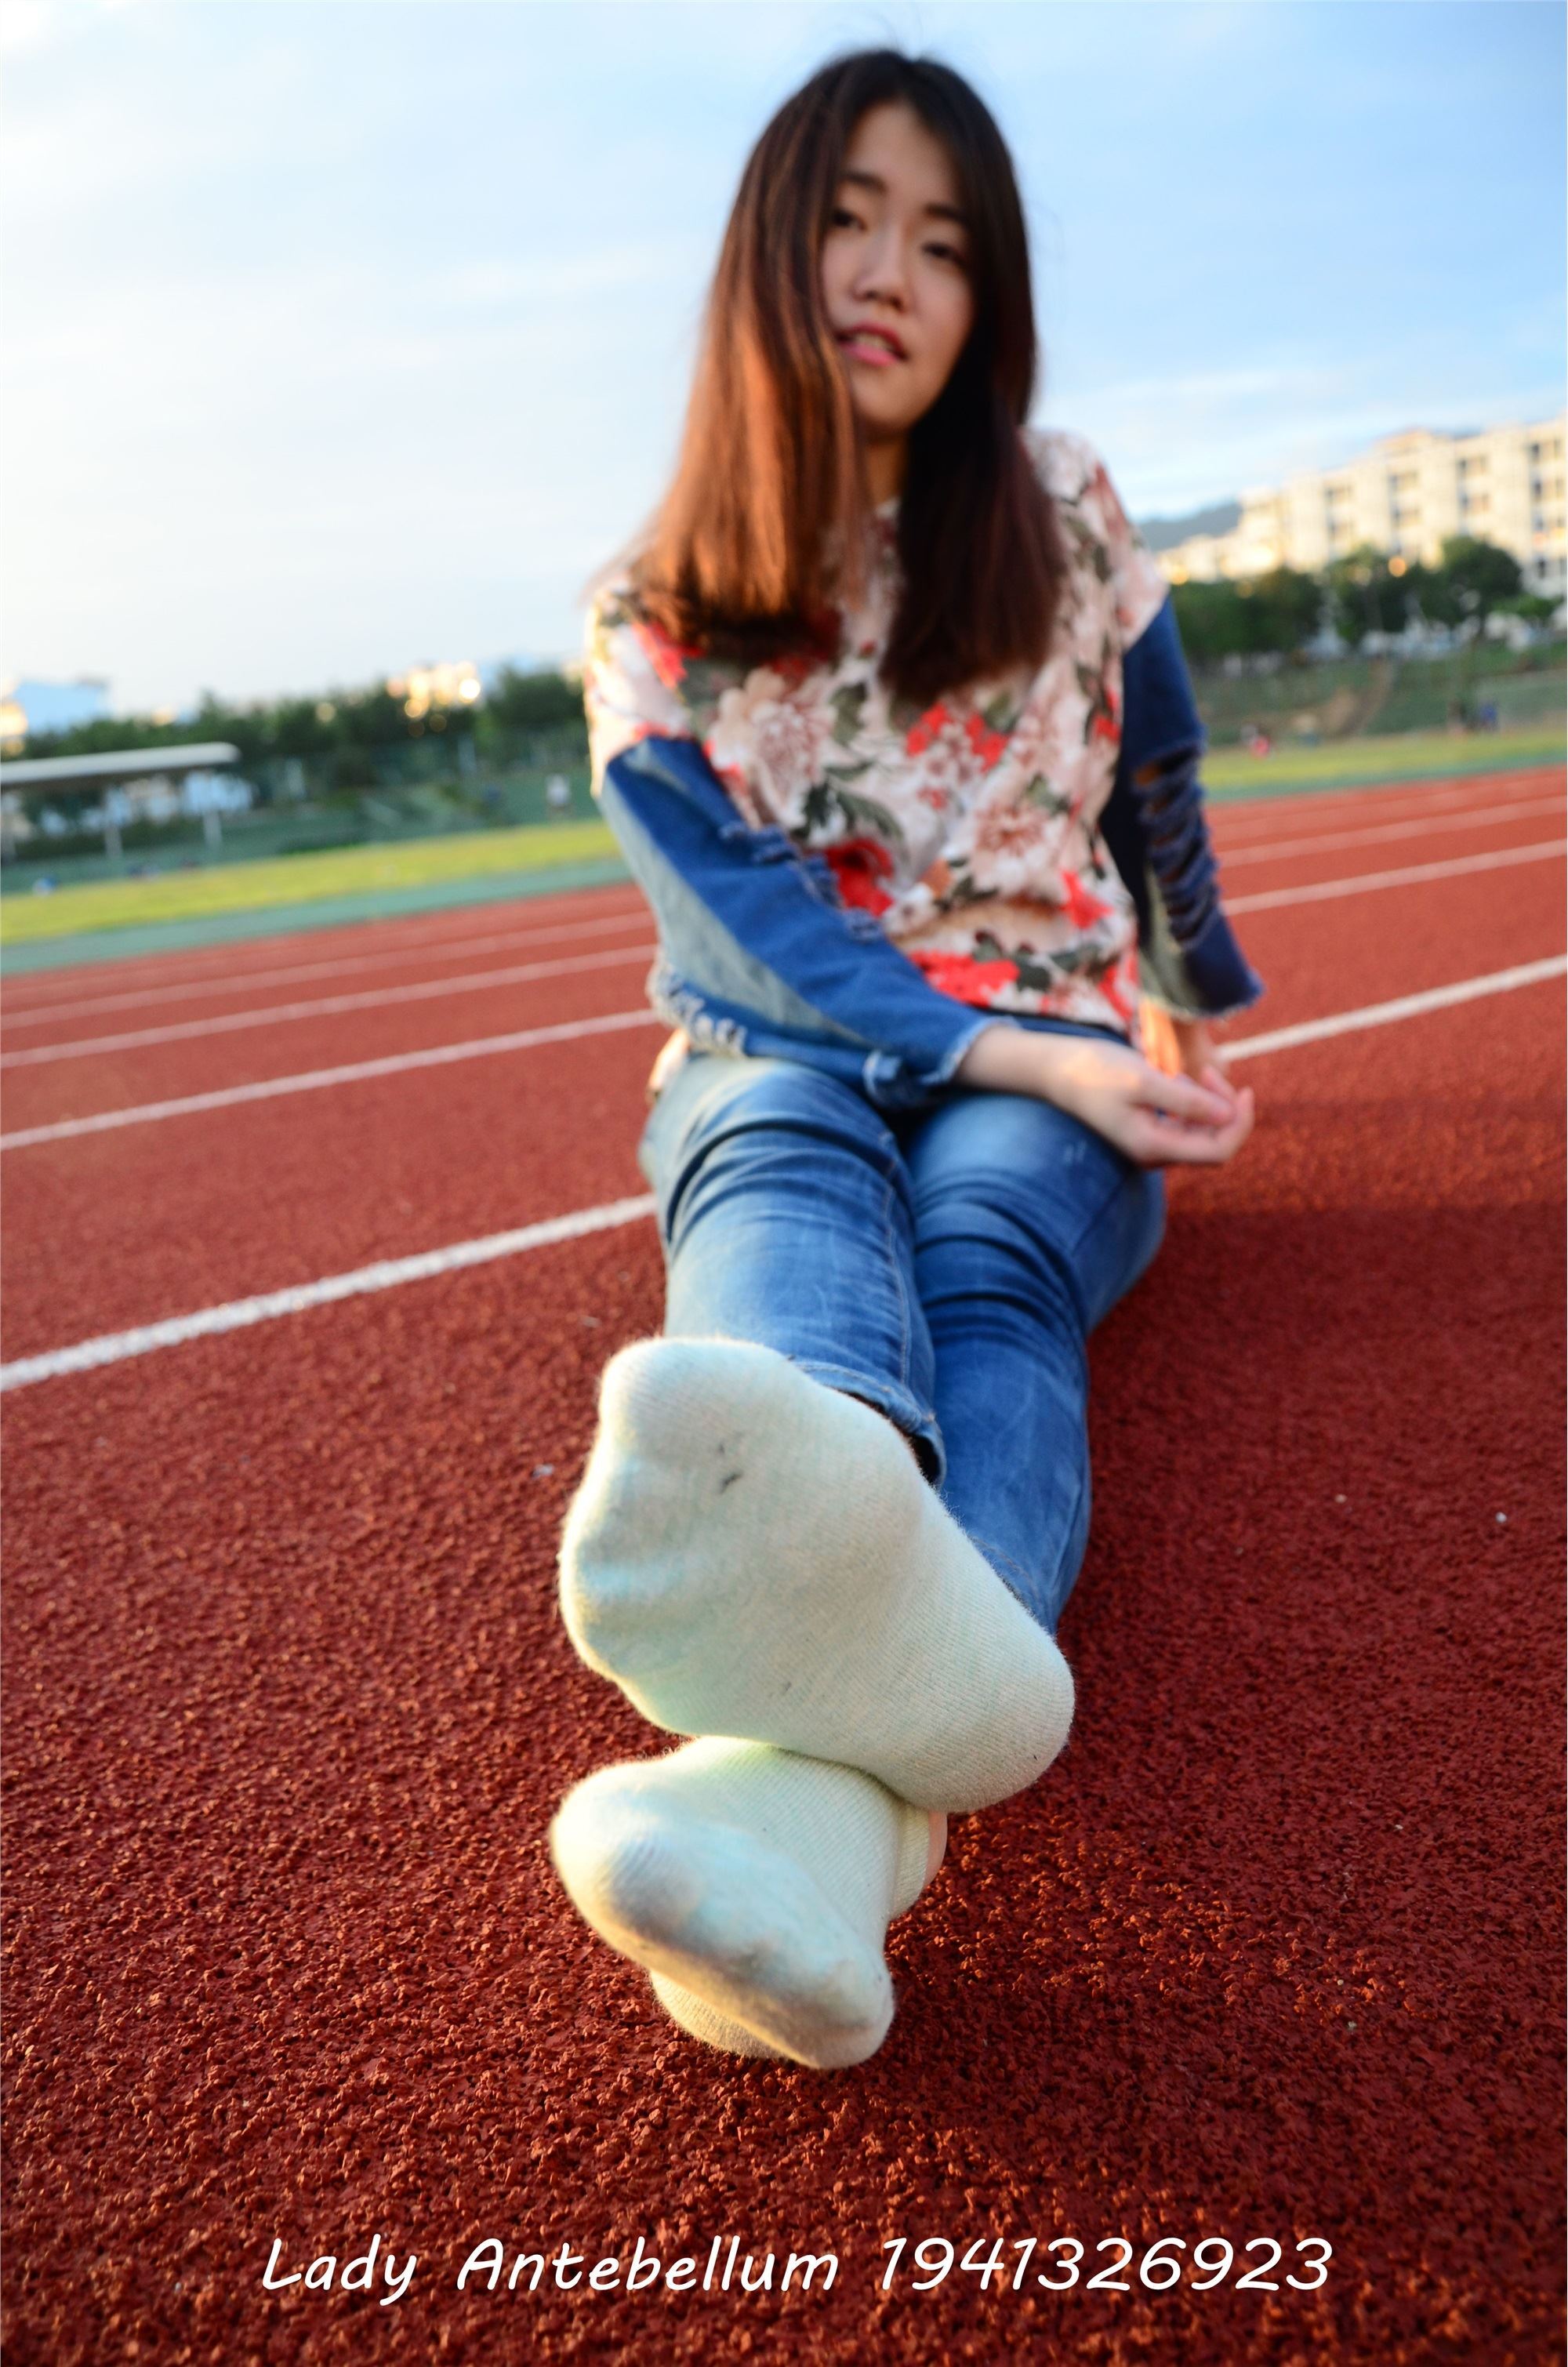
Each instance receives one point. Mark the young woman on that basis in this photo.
(889, 716)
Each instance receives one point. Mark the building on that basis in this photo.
(1406, 497)
(132, 785)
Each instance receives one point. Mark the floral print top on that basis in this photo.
(970, 829)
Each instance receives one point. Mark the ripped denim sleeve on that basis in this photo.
(1155, 825)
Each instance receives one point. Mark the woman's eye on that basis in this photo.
(840, 217)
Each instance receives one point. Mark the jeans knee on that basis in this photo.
(742, 1140)
(740, 1096)
(979, 1247)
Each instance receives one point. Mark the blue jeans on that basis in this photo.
(946, 1265)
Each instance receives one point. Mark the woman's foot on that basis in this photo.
(755, 1886)
(751, 1553)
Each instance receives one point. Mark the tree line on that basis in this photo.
(1367, 591)
(343, 727)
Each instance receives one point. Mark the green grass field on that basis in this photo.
(239, 888)
(1405, 756)
(298, 879)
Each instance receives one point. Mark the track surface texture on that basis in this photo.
(1272, 1953)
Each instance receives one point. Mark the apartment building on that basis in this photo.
(1406, 497)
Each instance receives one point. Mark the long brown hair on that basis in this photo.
(763, 528)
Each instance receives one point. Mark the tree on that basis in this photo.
(540, 701)
(1476, 577)
(1284, 609)
(1364, 594)
(1213, 620)
(1268, 613)
(1531, 606)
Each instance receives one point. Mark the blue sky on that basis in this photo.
(343, 334)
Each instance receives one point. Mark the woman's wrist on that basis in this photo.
(1007, 1059)
(1115, 1091)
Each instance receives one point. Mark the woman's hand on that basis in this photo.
(1151, 1116)
(1182, 1048)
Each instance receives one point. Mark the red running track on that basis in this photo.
(169, 1217)
(1272, 1951)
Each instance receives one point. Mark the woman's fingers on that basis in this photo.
(1154, 1117)
(1183, 1097)
(1169, 1142)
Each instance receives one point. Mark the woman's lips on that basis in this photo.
(870, 349)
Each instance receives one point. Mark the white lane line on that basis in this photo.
(1403, 1006)
(247, 982)
(426, 990)
(1254, 817)
(222, 961)
(1231, 846)
(314, 1080)
(1461, 866)
(1325, 842)
(390, 1064)
(327, 1006)
(387, 1274)
(112, 1347)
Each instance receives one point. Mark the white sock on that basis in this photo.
(754, 1886)
(752, 1553)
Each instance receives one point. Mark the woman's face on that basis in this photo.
(896, 258)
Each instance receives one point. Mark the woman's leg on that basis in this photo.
(785, 1212)
(1028, 1227)
(751, 1552)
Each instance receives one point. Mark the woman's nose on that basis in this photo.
(882, 271)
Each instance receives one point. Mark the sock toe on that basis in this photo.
(693, 2014)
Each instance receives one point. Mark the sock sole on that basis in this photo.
(708, 1568)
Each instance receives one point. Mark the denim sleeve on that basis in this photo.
(1189, 959)
(757, 950)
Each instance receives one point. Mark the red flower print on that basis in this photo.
(930, 725)
(964, 979)
(1104, 723)
(1083, 909)
(791, 666)
(860, 865)
(987, 744)
(936, 798)
(669, 657)
(1111, 985)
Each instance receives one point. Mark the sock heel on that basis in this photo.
(725, 1916)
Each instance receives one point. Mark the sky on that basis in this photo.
(343, 335)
